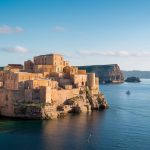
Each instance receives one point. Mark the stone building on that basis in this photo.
(40, 86)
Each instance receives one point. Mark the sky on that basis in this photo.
(86, 32)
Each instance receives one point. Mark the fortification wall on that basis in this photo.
(79, 80)
(44, 68)
(59, 96)
(91, 80)
(45, 94)
(8, 99)
(82, 72)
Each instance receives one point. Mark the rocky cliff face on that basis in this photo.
(81, 103)
(106, 73)
(84, 102)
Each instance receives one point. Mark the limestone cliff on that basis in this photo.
(106, 73)
(84, 102)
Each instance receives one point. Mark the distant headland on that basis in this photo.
(137, 73)
(107, 73)
(48, 87)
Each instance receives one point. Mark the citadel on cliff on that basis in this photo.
(46, 88)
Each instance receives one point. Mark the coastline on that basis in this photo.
(48, 87)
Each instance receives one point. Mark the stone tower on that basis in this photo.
(91, 80)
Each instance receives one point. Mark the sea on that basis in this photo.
(124, 126)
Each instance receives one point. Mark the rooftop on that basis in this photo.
(49, 55)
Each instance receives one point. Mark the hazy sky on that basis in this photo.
(84, 31)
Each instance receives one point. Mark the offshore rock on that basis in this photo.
(133, 79)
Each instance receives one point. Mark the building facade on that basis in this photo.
(47, 80)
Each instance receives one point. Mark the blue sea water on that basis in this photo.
(124, 126)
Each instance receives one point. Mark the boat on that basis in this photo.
(128, 92)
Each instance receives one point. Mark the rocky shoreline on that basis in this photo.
(81, 103)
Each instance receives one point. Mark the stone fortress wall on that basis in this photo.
(48, 79)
